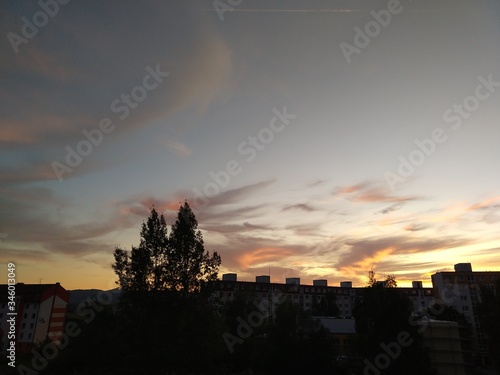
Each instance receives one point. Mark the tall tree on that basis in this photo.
(382, 315)
(190, 265)
(144, 269)
(167, 263)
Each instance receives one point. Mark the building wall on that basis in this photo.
(41, 312)
(29, 322)
(461, 290)
(43, 321)
(57, 319)
(444, 343)
(306, 295)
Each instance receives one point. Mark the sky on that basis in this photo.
(313, 139)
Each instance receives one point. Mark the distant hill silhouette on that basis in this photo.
(78, 296)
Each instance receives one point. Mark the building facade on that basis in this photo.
(443, 340)
(453, 345)
(461, 289)
(307, 297)
(41, 313)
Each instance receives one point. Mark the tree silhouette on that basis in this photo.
(297, 344)
(489, 316)
(167, 263)
(372, 281)
(382, 314)
(164, 300)
(189, 265)
(390, 281)
(145, 269)
(326, 306)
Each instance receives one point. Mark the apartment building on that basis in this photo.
(41, 312)
(461, 289)
(310, 297)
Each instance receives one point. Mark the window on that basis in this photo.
(21, 335)
(465, 308)
(25, 315)
(27, 305)
(463, 298)
(32, 325)
(29, 335)
(24, 325)
(33, 316)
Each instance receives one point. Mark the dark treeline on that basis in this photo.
(170, 321)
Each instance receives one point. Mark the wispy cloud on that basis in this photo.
(299, 206)
(414, 227)
(69, 92)
(369, 192)
(489, 208)
(391, 208)
(363, 252)
(237, 195)
(178, 148)
(254, 257)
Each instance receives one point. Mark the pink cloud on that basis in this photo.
(257, 256)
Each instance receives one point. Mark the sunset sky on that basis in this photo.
(340, 151)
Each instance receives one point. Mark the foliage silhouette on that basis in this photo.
(167, 263)
(381, 315)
